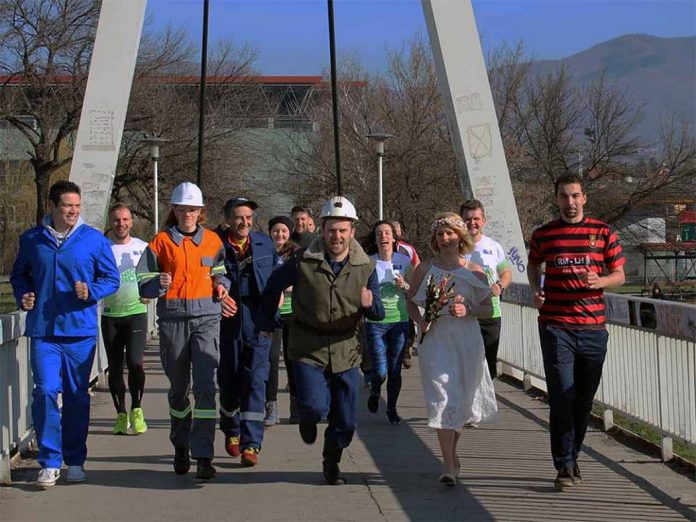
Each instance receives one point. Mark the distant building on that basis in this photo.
(281, 109)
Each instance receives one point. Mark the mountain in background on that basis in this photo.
(658, 71)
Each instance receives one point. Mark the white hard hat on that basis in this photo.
(339, 207)
(187, 194)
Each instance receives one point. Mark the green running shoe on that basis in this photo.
(137, 418)
(122, 424)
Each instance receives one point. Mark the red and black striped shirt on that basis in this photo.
(568, 251)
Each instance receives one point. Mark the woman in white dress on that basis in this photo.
(457, 387)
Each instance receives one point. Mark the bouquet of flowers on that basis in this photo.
(437, 296)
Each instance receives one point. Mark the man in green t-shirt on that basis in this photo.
(124, 325)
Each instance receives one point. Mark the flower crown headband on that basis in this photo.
(448, 221)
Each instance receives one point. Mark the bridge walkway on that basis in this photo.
(392, 473)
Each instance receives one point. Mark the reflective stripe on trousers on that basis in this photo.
(189, 348)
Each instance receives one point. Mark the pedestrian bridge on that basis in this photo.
(392, 470)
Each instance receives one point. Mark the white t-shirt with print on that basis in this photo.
(490, 255)
(126, 301)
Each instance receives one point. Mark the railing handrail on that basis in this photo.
(671, 318)
(648, 375)
(16, 383)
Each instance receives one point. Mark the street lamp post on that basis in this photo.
(379, 139)
(154, 144)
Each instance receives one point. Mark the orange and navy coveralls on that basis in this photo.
(189, 326)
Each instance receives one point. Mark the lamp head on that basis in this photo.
(379, 138)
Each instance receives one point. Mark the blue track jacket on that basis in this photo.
(51, 273)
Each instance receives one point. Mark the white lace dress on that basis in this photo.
(457, 386)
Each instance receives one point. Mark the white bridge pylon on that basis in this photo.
(473, 124)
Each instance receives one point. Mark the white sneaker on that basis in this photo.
(76, 474)
(48, 477)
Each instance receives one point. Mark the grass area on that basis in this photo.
(628, 289)
(7, 302)
(646, 432)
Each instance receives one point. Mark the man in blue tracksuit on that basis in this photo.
(244, 350)
(63, 267)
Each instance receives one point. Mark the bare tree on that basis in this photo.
(164, 102)
(46, 48)
(420, 177)
(551, 124)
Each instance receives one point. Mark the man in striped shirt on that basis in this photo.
(582, 257)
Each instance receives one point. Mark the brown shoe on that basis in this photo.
(564, 479)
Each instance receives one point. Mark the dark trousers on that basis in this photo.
(280, 338)
(410, 340)
(124, 341)
(573, 361)
(319, 390)
(490, 331)
(274, 363)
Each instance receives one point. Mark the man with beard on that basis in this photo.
(244, 349)
(124, 325)
(582, 257)
(334, 285)
(303, 232)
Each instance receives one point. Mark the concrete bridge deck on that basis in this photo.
(392, 472)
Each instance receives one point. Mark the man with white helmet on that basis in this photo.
(334, 286)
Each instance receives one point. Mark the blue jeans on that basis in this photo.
(573, 361)
(61, 364)
(318, 391)
(387, 342)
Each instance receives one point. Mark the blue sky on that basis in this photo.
(291, 36)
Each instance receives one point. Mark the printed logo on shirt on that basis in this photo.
(593, 240)
(572, 263)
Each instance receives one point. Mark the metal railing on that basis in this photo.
(16, 384)
(650, 369)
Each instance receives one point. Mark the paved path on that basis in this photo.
(392, 473)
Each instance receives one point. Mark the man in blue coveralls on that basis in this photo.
(63, 267)
(334, 286)
(244, 351)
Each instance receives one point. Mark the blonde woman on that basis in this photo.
(456, 384)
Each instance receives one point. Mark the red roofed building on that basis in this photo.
(687, 225)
